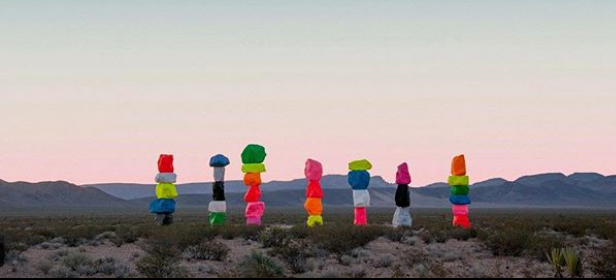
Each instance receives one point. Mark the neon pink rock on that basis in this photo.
(403, 177)
(361, 216)
(255, 210)
(314, 170)
(460, 210)
(253, 221)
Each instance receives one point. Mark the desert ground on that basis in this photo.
(502, 243)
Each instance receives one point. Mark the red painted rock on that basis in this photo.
(253, 194)
(361, 217)
(462, 221)
(165, 164)
(314, 190)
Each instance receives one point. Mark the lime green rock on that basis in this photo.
(360, 165)
(253, 154)
(459, 181)
(460, 190)
(254, 168)
(218, 219)
(314, 221)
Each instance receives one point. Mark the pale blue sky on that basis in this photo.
(520, 86)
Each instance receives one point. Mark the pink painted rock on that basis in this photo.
(314, 170)
(403, 177)
(255, 210)
(460, 210)
(253, 222)
(361, 216)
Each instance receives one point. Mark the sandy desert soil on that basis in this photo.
(114, 247)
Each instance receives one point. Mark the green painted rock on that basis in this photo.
(458, 181)
(253, 154)
(460, 190)
(360, 165)
(218, 219)
(253, 168)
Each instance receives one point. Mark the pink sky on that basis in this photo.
(95, 92)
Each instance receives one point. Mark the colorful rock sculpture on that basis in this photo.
(164, 204)
(314, 193)
(253, 157)
(459, 183)
(402, 216)
(218, 206)
(359, 179)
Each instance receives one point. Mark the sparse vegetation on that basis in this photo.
(258, 265)
(500, 244)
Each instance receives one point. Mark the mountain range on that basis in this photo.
(553, 190)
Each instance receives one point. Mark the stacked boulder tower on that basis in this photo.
(402, 217)
(218, 205)
(359, 179)
(166, 193)
(314, 193)
(459, 183)
(253, 158)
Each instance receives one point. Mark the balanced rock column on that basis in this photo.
(166, 193)
(314, 193)
(402, 217)
(253, 157)
(218, 205)
(459, 183)
(359, 179)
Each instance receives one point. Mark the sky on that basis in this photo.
(94, 91)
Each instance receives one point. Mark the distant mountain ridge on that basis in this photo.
(552, 190)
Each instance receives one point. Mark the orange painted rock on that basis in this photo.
(252, 179)
(458, 166)
(314, 206)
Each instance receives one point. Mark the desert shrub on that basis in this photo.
(63, 272)
(461, 234)
(230, 232)
(340, 240)
(573, 262)
(162, 261)
(540, 244)
(111, 267)
(300, 231)
(44, 266)
(557, 261)
(258, 265)
(210, 250)
(79, 263)
(272, 237)
(358, 272)
(385, 261)
(604, 262)
(33, 240)
(16, 258)
(295, 254)
(397, 234)
(125, 235)
(184, 236)
(508, 242)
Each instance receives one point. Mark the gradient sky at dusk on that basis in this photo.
(94, 91)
